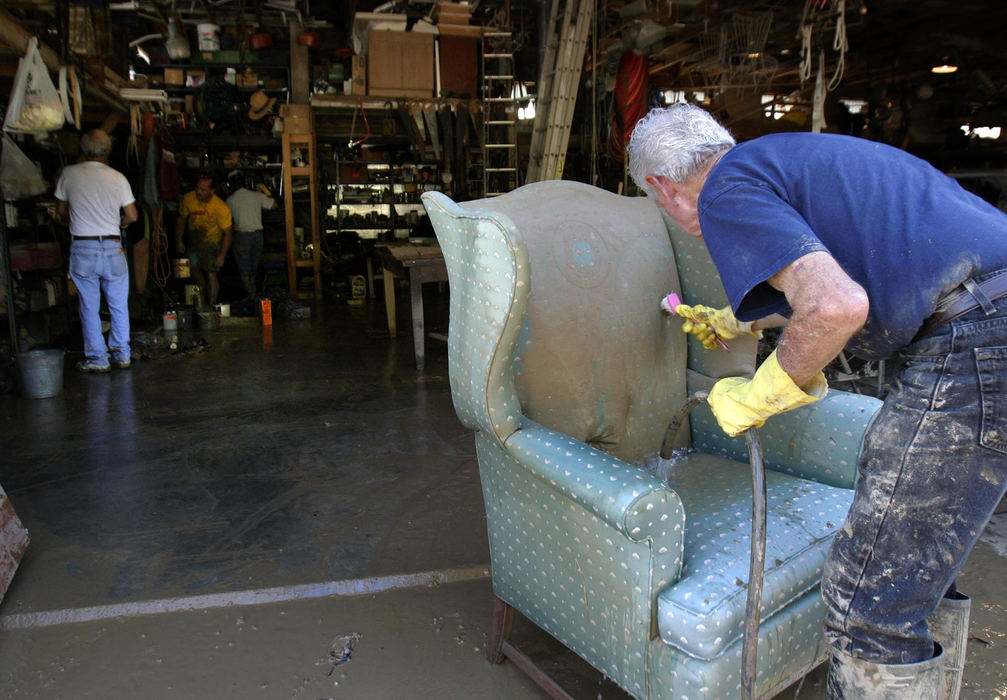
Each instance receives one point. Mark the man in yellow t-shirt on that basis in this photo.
(208, 221)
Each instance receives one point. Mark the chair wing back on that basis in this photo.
(487, 268)
(595, 358)
(701, 285)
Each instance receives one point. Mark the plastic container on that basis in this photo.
(40, 373)
(170, 321)
(208, 36)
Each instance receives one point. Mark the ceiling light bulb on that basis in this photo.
(944, 68)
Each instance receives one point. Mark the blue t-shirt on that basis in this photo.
(901, 229)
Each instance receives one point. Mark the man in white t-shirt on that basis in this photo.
(246, 210)
(93, 193)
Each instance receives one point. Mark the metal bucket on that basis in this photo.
(40, 373)
(185, 318)
(208, 320)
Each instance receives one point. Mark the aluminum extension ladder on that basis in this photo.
(559, 81)
(499, 114)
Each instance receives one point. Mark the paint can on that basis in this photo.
(170, 322)
(208, 35)
(358, 290)
(182, 268)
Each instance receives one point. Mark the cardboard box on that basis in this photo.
(13, 542)
(400, 64)
(459, 61)
(359, 75)
(174, 76)
(452, 13)
(296, 118)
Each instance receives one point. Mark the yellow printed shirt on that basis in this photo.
(205, 222)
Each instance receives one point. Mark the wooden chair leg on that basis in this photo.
(500, 629)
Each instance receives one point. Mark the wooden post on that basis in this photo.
(300, 67)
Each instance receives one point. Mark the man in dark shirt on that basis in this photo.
(857, 245)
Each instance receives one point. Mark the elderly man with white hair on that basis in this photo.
(93, 194)
(858, 245)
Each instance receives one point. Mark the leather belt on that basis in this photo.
(962, 300)
(96, 238)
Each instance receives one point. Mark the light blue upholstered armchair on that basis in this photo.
(564, 367)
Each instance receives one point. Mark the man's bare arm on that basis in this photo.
(829, 307)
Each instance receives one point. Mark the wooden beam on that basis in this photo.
(300, 68)
(110, 122)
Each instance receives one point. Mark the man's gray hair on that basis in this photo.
(95, 144)
(675, 142)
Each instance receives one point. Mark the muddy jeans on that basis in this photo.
(933, 469)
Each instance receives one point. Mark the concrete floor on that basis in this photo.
(225, 524)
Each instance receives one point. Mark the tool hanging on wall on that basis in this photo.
(388, 127)
(407, 121)
(416, 112)
(430, 117)
(840, 43)
(353, 125)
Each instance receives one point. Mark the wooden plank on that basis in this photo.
(300, 66)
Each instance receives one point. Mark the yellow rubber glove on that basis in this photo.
(711, 325)
(739, 404)
(264, 190)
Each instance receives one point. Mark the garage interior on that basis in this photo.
(280, 501)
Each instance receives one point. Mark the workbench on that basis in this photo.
(419, 263)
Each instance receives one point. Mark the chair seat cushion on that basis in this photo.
(704, 612)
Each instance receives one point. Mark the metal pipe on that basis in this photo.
(757, 559)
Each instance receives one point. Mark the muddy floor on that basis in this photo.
(291, 517)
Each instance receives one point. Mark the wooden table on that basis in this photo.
(419, 263)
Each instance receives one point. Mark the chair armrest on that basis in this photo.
(628, 498)
(820, 442)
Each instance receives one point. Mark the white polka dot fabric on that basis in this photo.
(564, 368)
(704, 611)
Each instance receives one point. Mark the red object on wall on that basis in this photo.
(630, 102)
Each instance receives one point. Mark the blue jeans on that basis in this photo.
(247, 247)
(96, 267)
(932, 471)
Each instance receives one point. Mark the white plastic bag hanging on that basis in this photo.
(34, 102)
(20, 178)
